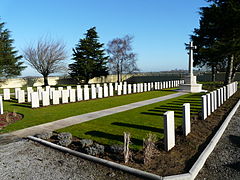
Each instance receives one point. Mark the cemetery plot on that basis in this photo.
(38, 116)
(177, 161)
(139, 122)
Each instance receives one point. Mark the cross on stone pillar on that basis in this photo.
(191, 48)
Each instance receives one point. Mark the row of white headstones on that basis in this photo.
(210, 102)
(72, 95)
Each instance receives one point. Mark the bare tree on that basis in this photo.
(121, 58)
(46, 57)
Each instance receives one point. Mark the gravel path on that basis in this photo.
(224, 161)
(32, 161)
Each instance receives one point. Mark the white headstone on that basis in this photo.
(138, 88)
(218, 97)
(212, 101)
(208, 104)
(40, 90)
(134, 88)
(29, 92)
(100, 92)
(21, 96)
(204, 107)
(79, 93)
(221, 92)
(65, 95)
(105, 90)
(224, 93)
(35, 99)
(72, 95)
(60, 91)
(145, 87)
(215, 99)
(51, 92)
(186, 119)
(169, 130)
(149, 86)
(45, 98)
(6, 94)
(129, 88)
(119, 91)
(125, 88)
(111, 89)
(141, 87)
(93, 91)
(155, 86)
(56, 97)
(86, 92)
(115, 86)
(1, 105)
(16, 92)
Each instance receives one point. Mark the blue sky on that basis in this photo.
(160, 27)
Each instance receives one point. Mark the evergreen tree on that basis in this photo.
(10, 64)
(89, 57)
(218, 37)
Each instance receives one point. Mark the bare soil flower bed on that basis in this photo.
(9, 118)
(181, 158)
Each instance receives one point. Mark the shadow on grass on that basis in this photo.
(176, 106)
(22, 105)
(148, 128)
(113, 137)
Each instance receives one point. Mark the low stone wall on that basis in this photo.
(38, 81)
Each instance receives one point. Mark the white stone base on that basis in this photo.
(192, 88)
(191, 85)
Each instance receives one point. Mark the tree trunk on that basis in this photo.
(213, 74)
(229, 72)
(45, 78)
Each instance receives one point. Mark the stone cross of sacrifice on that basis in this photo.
(191, 48)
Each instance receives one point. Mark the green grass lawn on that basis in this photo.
(42, 115)
(139, 122)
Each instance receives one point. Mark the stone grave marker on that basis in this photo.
(86, 92)
(79, 93)
(6, 94)
(45, 98)
(111, 93)
(35, 99)
(169, 130)
(129, 88)
(100, 92)
(1, 105)
(72, 93)
(93, 91)
(16, 92)
(105, 90)
(204, 107)
(56, 96)
(186, 119)
(65, 95)
(21, 96)
(134, 88)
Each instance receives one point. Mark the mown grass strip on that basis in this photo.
(139, 122)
